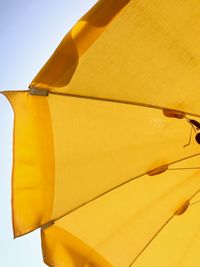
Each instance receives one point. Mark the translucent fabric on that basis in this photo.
(105, 158)
(97, 163)
(149, 54)
(176, 239)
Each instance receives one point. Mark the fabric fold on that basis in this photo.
(33, 162)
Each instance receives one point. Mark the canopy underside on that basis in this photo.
(149, 54)
(109, 171)
(98, 162)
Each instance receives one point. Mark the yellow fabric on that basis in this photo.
(120, 237)
(182, 249)
(148, 54)
(75, 150)
(60, 68)
(120, 224)
(60, 248)
(99, 145)
(84, 163)
(33, 162)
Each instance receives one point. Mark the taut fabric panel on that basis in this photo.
(99, 145)
(148, 54)
(136, 224)
(69, 151)
(60, 68)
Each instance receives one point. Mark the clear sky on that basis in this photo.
(30, 31)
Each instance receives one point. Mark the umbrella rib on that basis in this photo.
(182, 159)
(194, 203)
(116, 187)
(126, 102)
(104, 193)
(186, 168)
(159, 230)
(150, 241)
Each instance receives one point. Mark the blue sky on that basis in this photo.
(30, 31)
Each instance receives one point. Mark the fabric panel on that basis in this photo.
(99, 145)
(60, 68)
(61, 248)
(134, 220)
(33, 162)
(143, 55)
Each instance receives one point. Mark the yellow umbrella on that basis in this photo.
(102, 160)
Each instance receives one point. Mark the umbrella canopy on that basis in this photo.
(101, 160)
